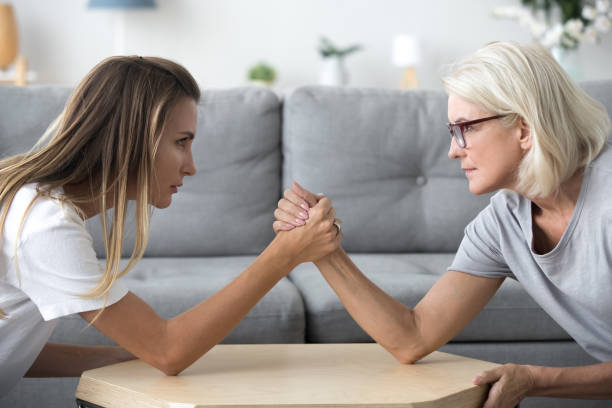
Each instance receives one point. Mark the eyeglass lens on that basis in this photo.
(455, 131)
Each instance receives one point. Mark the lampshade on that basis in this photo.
(121, 4)
(406, 51)
(8, 36)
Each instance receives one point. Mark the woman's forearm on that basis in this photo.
(387, 321)
(585, 382)
(67, 360)
(212, 320)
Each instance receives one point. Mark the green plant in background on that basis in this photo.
(569, 8)
(262, 72)
(328, 49)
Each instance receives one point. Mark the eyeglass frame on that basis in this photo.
(460, 125)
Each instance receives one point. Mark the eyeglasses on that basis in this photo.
(456, 129)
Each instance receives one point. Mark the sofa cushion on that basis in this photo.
(25, 114)
(381, 156)
(511, 315)
(174, 285)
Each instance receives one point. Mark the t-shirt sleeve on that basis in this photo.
(479, 253)
(57, 264)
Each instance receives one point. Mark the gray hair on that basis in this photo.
(568, 127)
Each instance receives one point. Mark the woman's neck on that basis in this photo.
(89, 208)
(564, 200)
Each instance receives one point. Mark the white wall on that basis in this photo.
(217, 40)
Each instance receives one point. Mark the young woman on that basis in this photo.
(125, 134)
(517, 123)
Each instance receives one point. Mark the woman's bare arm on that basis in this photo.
(67, 360)
(408, 334)
(173, 345)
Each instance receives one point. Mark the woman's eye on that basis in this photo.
(182, 142)
(467, 128)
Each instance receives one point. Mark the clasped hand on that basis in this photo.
(319, 234)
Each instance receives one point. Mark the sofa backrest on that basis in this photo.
(381, 156)
(226, 208)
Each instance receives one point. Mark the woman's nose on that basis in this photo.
(189, 168)
(454, 150)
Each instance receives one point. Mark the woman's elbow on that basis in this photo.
(169, 366)
(171, 362)
(409, 354)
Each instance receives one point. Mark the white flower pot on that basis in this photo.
(569, 61)
(333, 72)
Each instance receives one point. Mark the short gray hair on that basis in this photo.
(568, 127)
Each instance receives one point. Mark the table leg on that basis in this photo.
(84, 404)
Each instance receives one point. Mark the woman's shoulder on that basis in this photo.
(505, 202)
(44, 210)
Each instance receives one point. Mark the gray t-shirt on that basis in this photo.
(573, 282)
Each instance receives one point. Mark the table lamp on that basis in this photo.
(118, 7)
(407, 54)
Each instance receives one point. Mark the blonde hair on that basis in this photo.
(107, 134)
(568, 127)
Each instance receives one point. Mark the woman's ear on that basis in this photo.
(525, 138)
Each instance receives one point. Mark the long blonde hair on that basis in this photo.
(568, 127)
(107, 134)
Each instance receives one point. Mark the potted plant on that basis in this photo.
(262, 74)
(334, 73)
(560, 25)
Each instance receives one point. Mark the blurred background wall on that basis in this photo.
(218, 40)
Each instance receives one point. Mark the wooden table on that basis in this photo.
(291, 376)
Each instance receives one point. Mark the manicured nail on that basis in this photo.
(299, 221)
(475, 380)
(303, 215)
(304, 206)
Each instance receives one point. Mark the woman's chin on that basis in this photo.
(161, 204)
(476, 188)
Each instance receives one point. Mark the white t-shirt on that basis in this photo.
(57, 263)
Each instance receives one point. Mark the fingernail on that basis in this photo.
(303, 215)
(299, 221)
(305, 206)
(475, 380)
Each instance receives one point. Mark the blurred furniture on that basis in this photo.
(290, 375)
(9, 46)
(407, 54)
(380, 155)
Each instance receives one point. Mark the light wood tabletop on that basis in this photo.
(291, 376)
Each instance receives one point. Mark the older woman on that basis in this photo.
(520, 125)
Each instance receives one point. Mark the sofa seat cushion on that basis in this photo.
(174, 285)
(511, 315)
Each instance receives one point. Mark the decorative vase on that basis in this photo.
(333, 72)
(569, 61)
(261, 83)
(8, 36)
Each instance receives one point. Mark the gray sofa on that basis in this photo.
(380, 155)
